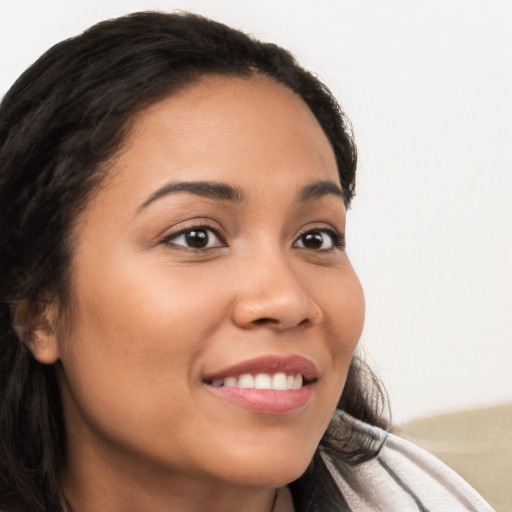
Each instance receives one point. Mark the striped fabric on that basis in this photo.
(402, 477)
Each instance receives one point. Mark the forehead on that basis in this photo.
(241, 130)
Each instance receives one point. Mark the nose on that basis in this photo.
(272, 294)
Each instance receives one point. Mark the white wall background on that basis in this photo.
(428, 86)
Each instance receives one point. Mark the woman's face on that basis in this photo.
(214, 250)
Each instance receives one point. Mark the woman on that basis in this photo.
(179, 315)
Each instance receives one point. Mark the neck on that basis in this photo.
(81, 498)
(87, 488)
(102, 476)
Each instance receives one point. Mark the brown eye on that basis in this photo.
(196, 238)
(318, 240)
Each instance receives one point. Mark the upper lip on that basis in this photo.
(291, 365)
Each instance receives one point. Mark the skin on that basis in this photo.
(150, 317)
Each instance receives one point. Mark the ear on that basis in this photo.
(36, 326)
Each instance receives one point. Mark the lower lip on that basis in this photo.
(267, 401)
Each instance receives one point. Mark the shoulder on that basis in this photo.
(400, 477)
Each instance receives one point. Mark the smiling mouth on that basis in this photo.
(279, 381)
(273, 394)
(268, 385)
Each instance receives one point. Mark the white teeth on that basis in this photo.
(263, 381)
(231, 382)
(245, 381)
(297, 382)
(279, 381)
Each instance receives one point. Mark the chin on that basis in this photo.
(270, 468)
(267, 476)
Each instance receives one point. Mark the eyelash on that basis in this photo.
(201, 227)
(338, 241)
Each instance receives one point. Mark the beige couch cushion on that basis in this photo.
(477, 444)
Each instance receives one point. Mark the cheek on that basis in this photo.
(345, 321)
(345, 306)
(133, 343)
(143, 308)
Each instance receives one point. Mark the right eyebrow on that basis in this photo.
(210, 189)
(320, 189)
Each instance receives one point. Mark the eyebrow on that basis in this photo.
(320, 189)
(210, 189)
(225, 192)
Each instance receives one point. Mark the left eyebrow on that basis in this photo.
(320, 189)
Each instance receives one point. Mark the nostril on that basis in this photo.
(304, 322)
(278, 323)
(261, 321)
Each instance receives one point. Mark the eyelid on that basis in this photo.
(337, 238)
(198, 224)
